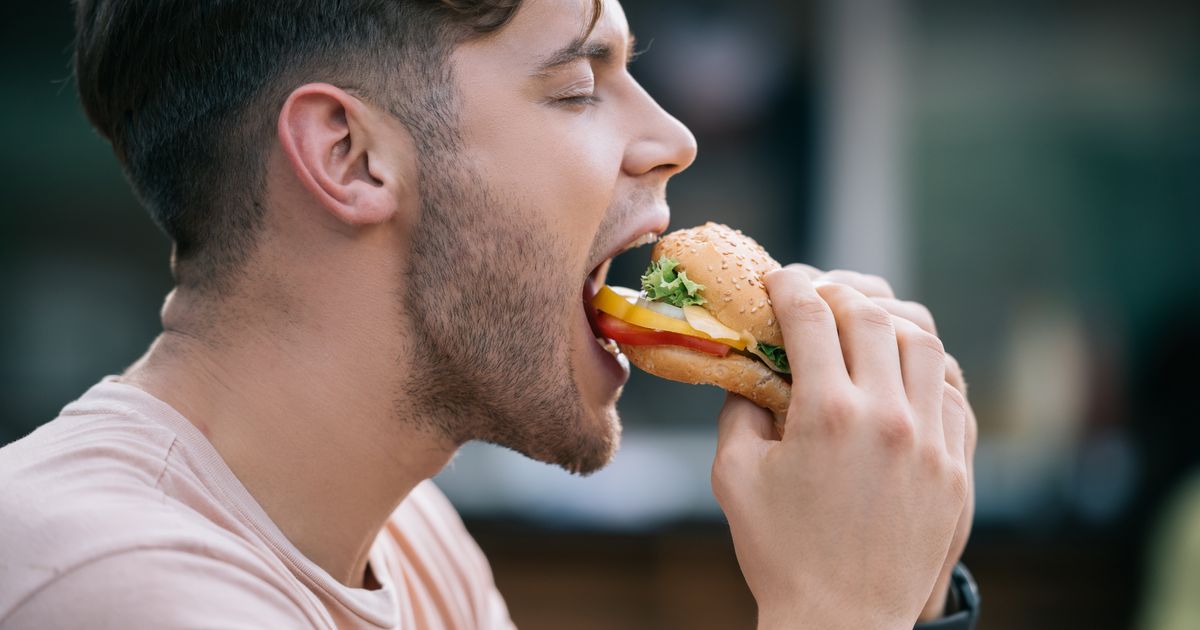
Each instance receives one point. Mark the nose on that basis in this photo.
(662, 144)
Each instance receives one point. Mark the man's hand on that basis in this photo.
(881, 293)
(848, 521)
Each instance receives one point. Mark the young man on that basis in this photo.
(384, 214)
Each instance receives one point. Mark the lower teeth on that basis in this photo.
(609, 346)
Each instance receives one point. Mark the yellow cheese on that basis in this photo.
(609, 301)
(702, 320)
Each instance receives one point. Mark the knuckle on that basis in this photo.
(959, 482)
(923, 317)
(954, 399)
(722, 479)
(952, 365)
(897, 428)
(924, 341)
(880, 285)
(954, 374)
(871, 314)
(782, 283)
(835, 411)
(934, 459)
(807, 308)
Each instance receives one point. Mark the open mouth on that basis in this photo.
(596, 279)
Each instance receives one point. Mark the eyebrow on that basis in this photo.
(578, 49)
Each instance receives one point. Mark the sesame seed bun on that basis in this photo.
(730, 265)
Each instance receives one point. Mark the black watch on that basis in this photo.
(963, 601)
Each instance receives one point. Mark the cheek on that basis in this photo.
(559, 164)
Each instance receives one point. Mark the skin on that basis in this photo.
(332, 376)
(881, 294)
(343, 336)
(876, 462)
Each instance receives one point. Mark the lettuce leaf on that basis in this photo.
(662, 284)
(777, 355)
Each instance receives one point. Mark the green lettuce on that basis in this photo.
(662, 284)
(777, 356)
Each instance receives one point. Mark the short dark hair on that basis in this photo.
(187, 92)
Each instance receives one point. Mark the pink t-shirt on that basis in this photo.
(120, 514)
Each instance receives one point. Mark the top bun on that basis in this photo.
(730, 265)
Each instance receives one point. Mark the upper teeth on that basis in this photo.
(645, 239)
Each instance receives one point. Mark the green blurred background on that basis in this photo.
(1029, 170)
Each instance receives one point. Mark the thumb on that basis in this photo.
(742, 424)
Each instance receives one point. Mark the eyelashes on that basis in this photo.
(578, 94)
(578, 101)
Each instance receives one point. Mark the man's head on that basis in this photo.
(487, 156)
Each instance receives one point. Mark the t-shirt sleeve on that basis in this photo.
(158, 588)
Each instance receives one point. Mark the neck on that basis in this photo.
(295, 410)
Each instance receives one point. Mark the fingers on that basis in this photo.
(922, 364)
(812, 272)
(742, 421)
(744, 432)
(954, 418)
(810, 333)
(914, 312)
(868, 285)
(868, 339)
(877, 288)
(954, 374)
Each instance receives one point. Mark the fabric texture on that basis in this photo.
(120, 514)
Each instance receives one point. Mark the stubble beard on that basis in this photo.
(489, 313)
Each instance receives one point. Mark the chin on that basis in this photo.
(602, 434)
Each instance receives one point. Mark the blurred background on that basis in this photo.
(1028, 170)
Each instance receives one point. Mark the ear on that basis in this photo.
(343, 152)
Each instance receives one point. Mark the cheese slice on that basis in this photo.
(624, 307)
(700, 319)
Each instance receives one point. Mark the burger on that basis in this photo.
(703, 316)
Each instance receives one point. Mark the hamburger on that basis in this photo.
(703, 316)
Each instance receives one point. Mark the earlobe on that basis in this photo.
(329, 137)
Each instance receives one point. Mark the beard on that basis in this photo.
(490, 320)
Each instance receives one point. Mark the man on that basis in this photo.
(383, 216)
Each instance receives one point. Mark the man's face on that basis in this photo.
(562, 160)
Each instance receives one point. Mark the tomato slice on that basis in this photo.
(624, 332)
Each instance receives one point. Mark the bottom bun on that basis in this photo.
(734, 372)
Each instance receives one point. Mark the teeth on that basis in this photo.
(645, 239)
(610, 347)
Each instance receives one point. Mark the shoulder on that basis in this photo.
(157, 588)
(83, 513)
(76, 486)
(426, 541)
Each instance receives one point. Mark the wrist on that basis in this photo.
(833, 617)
